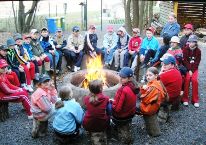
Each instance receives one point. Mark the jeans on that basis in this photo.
(51, 58)
(108, 58)
(77, 58)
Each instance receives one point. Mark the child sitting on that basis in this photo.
(124, 105)
(96, 120)
(42, 101)
(11, 93)
(152, 93)
(68, 117)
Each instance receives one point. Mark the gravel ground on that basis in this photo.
(185, 127)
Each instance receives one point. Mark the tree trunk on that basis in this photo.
(151, 3)
(141, 16)
(15, 18)
(128, 20)
(135, 13)
(21, 16)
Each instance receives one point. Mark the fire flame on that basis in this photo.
(94, 71)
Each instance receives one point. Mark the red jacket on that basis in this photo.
(96, 118)
(124, 104)
(135, 43)
(191, 58)
(172, 81)
(6, 88)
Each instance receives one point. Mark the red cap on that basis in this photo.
(188, 26)
(3, 63)
(109, 28)
(151, 29)
(92, 26)
(26, 36)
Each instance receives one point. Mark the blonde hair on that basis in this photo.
(65, 93)
(95, 87)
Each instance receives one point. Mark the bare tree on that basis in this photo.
(127, 5)
(24, 20)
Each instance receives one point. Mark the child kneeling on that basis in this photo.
(42, 106)
(68, 117)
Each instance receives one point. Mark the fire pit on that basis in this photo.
(76, 80)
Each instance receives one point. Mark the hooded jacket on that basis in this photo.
(124, 104)
(96, 118)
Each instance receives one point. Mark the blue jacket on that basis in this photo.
(149, 44)
(170, 29)
(160, 52)
(29, 49)
(67, 117)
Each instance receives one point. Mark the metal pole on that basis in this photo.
(101, 15)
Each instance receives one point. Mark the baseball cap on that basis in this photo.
(192, 38)
(168, 59)
(3, 63)
(151, 29)
(188, 26)
(175, 39)
(44, 29)
(92, 26)
(3, 47)
(126, 72)
(136, 30)
(26, 36)
(110, 28)
(75, 29)
(44, 78)
(59, 30)
(34, 31)
(17, 36)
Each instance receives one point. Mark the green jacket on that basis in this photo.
(37, 49)
(12, 59)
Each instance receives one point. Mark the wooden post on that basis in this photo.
(152, 125)
(4, 111)
(54, 74)
(175, 7)
(138, 67)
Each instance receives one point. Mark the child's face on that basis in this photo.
(124, 80)
(187, 31)
(173, 44)
(44, 33)
(149, 34)
(3, 70)
(59, 33)
(27, 40)
(3, 53)
(45, 85)
(192, 44)
(35, 35)
(171, 19)
(150, 76)
(19, 41)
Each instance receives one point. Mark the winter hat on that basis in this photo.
(175, 39)
(44, 78)
(188, 26)
(168, 59)
(10, 42)
(151, 29)
(192, 38)
(17, 36)
(126, 72)
(33, 31)
(75, 29)
(122, 29)
(3, 63)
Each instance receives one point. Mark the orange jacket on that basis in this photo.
(152, 98)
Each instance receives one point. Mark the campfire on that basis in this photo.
(94, 71)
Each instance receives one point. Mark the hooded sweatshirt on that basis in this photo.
(96, 118)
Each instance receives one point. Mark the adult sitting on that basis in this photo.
(172, 28)
(75, 46)
(171, 78)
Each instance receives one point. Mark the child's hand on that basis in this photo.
(59, 104)
(145, 87)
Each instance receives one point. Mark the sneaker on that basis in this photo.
(185, 103)
(197, 105)
(24, 86)
(76, 68)
(30, 89)
(37, 76)
(30, 117)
